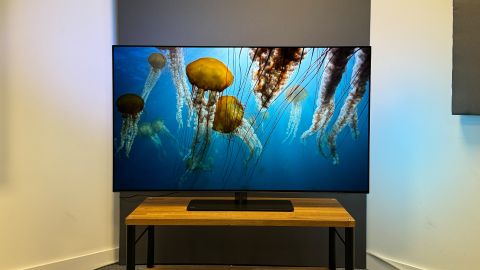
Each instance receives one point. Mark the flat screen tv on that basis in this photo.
(241, 118)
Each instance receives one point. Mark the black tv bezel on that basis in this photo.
(170, 191)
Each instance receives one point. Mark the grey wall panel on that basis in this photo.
(247, 23)
(466, 57)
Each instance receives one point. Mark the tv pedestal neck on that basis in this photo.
(240, 203)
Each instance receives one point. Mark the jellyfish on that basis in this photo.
(161, 129)
(157, 62)
(229, 120)
(207, 76)
(275, 65)
(158, 126)
(145, 129)
(336, 63)
(155, 130)
(258, 120)
(176, 65)
(130, 106)
(295, 95)
(348, 113)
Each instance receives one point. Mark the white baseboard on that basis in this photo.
(98, 259)
(84, 262)
(377, 262)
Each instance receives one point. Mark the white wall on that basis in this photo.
(425, 162)
(55, 126)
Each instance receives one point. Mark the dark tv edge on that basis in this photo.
(240, 203)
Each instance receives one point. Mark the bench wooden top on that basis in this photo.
(309, 212)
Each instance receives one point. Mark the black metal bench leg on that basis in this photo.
(151, 247)
(130, 247)
(332, 265)
(349, 249)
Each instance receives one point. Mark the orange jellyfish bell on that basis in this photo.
(228, 114)
(209, 74)
(130, 104)
(157, 60)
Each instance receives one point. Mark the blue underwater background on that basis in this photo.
(282, 166)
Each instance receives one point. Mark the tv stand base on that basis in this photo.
(234, 205)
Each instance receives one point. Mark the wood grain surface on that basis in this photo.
(309, 212)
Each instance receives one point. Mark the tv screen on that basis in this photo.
(241, 118)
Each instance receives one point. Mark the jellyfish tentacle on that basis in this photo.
(353, 123)
(298, 115)
(156, 140)
(295, 95)
(327, 115)
(128, 133)
(348, 113)
(123, 133)
(289, 126)
(209, 115)
(150, 82)
(337, 59)
(158, 143)
(183, 95)
(211, 106)
(167, 133)
(199, 104)
(246, 133)
(293, 122)
(180, 103)
(132, 134)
